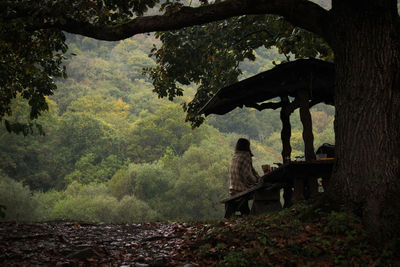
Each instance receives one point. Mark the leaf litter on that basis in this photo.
(275, 239)
(96, 244)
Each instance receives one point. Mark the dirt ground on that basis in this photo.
(93, 244)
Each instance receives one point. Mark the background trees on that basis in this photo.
(114, 152)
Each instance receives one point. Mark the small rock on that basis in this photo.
(82, 254)
(140, 258)
(159, 261)
(137, 264)
(65, 252)
(64, 264)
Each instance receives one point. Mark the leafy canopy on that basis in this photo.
(210, 55)
(32, 57)
(33, 48)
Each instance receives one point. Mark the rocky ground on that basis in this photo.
(96, 244)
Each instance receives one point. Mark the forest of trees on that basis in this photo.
(114, 152)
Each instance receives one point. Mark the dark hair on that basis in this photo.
(243, 145)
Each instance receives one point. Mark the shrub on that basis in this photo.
(123, 182)
(340, 222)
(17, 199)
(85, 208)
(46, 202)
(130, 209)
(85, 203)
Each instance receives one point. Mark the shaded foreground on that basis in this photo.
(299, 236)
(81, 244)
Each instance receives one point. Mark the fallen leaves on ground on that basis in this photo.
(276, 239)
(96, 244)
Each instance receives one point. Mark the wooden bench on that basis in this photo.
(265, 198)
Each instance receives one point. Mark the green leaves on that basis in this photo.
(151, 136)
(32, 55)
(210, 55)
(30, 62)
(91, 169)
(2, 211)
(24, 128)
(16, 200)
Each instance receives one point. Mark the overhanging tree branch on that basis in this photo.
(300, 13)
(262, 106)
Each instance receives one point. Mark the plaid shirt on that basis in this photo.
(241, 173)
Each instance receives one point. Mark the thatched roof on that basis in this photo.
(314, 75)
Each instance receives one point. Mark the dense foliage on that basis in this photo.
(33, 49)
(114, 152)
(211, 55)
(32, 57)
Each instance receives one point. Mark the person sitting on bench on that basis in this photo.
(242, 175)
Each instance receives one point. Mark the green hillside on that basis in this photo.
(113, 151)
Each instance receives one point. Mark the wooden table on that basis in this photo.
(297, 175)
(286, 172)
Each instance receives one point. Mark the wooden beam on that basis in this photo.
(262, 106)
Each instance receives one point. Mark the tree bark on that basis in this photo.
(315, 19)
(367, 100)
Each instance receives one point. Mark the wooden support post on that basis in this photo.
(305, 117)
(308, 137)
(286, 147)
(286, 129)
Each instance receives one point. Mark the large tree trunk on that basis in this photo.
(367, 120)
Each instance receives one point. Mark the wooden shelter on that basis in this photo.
(298, 84)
